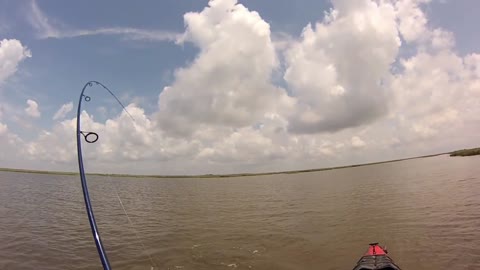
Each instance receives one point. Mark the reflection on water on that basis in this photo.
(427, 211)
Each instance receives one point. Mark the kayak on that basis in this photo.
(376, 258)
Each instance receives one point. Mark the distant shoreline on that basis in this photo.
(223, 175)
(465, 152)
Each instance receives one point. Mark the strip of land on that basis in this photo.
(465, 152)
(220, 175)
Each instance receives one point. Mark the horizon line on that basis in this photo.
(220, 175)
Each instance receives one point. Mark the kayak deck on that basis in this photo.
(376, 259)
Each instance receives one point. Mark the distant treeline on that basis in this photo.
(465, 152)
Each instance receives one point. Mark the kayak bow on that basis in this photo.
(376, 258)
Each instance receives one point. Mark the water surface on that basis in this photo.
(427, 211)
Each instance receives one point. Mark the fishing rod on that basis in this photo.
(91, 137)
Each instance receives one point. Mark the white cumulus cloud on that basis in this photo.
(63, 111)
(3, 128)
(412, 21)
(357, 142)
(12, 52)
(337, 71)
(32, 109)
(228, 84)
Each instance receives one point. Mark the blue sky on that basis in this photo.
(137, 50)
(62, 66)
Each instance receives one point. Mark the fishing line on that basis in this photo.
(152, 263)
(92, 137)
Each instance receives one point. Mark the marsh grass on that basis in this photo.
(465, 152)
(216, 175)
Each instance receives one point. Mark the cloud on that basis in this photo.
(10, 147)
(357, 142)
(3, 128)
(120, 140)
(436, 91)
(228, 84)
(412, 22)
(63, 111)
(338, 69)
(12, 52)
(128, 33)
(46, 29)
(32, 109)
(123, 141)
(41, 22)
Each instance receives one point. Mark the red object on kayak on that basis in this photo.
(375, 249)
(376, 258)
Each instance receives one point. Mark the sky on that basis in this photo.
(227, 86)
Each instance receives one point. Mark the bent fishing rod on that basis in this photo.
(91, 137)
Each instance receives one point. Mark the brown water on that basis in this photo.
(427, 211)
